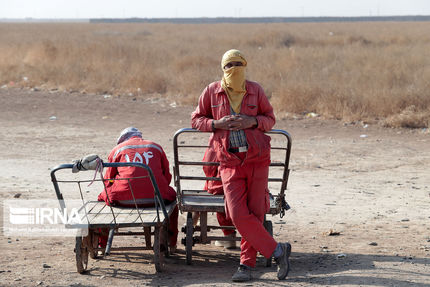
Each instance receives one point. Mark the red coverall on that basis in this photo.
(139, 150)
(215, 187)
(244, 175)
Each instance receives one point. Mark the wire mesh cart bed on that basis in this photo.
(189, 146)
(148, 216)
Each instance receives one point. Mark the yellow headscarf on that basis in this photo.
(233, 80)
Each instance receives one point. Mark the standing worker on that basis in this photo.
(238, 113)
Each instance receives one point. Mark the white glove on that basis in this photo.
(88, 162)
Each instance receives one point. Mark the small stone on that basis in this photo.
(17, 195)
(373, 244)
(46, 265)
(333, 233)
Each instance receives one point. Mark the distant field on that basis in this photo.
(351, 71)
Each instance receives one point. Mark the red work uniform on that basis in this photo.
(147, 152)
(244, 175)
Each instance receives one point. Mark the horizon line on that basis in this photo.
(221, 19)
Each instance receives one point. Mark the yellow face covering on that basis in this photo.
(233, 80)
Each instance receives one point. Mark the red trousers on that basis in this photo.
(224, 221)
(246, 202)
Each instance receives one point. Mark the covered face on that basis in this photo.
(233, 64)
(128, 133)
(232, 55)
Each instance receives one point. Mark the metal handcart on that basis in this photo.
(189, 146)
(149, 216)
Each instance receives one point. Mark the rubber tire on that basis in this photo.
(157, 252)
(94, 239)
(81, 256)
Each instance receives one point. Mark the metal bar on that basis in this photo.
(90, 180)
(109, 242)
(199, 178)
(128, 249)
(196, 191)
(204, 226)
(218, 178)
(147, 236)
(193, 146)
(202, 163)
(129, 233)
(55, 183)
(280, 164)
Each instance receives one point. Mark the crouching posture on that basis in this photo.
(133, 148)
(238, 113)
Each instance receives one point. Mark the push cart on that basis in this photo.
(189, 146)
(151, 221)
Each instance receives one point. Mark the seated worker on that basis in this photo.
(131, 147)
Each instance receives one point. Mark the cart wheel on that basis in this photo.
(94, 243)
(269, 227)
(189, 238)
(81, 255)
(157, 253)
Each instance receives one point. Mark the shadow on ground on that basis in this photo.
(319, 269)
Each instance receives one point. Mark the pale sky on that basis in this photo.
(200, 8)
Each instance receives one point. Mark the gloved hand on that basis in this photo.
(88, 162)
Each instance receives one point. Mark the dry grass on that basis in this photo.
(348, 71)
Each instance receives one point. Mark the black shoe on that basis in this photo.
(242, 274)
(283, 261)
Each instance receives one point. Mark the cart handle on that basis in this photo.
(158, 197)
(176, 170)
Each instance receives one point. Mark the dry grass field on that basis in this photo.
(375, 71)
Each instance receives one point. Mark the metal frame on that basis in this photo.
(88, 245)
(200, 201)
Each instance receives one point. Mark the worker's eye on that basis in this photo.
(231, 64)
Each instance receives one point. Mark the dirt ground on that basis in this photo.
(368, 184)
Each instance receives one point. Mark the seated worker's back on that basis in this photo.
(132, 148)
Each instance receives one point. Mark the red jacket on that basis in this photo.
(214, 104)
(136, 149)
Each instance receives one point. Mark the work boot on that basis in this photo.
(242, 274)
(283, 261)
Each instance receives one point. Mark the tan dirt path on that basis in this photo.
(373, 190)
